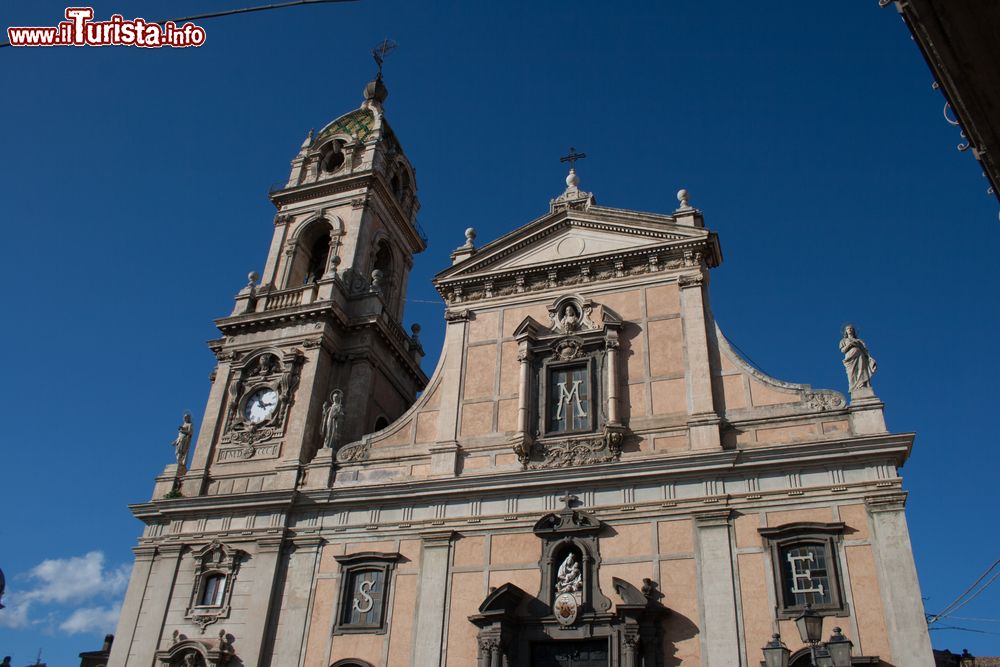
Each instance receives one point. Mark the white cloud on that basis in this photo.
(15, 615)
(76, 579)
(64, 582)
(92, 619)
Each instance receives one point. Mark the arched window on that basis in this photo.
(212, 589)
(331, 157)
(383, 262)
(319, 258)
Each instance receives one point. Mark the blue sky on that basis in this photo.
(134, 190)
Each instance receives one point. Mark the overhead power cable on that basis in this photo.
(969, 594)
(954, 627)
(244, 10)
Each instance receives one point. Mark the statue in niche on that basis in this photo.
(858, 363)
(570, 319)
(570, 579)
(333, 419)
(266, 364)
(183, 440)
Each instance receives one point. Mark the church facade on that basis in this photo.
(590, 476)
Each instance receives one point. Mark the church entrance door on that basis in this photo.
(593, 653)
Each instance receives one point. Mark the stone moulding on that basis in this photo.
(564, 274)
(817, 400)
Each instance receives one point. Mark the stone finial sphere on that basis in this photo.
(376, 90)
(682, 197)
(253, 276)
(470, 234)
(415, 328)
(572, 180)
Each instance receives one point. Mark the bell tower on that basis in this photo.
(314, 353)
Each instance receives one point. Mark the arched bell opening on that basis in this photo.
(311, 254)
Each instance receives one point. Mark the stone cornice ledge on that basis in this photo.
(894, 446)
(196, 505)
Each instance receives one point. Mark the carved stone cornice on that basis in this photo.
(886, 502)
(144, 552)
(713, 518)
(437, 540)
(691, 279)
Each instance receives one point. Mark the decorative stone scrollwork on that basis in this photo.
(824, 399)
(354, 282)
(354, 453)
(187, 652)
(457, 315)
(522, 447)
(567, 349)
(602, 448)
(488, 645)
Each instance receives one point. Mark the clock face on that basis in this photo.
(260, 405)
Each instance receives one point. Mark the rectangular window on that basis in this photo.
(364, 592)
(569, 399)
(364, 606)
(806, 571)
(805, 576)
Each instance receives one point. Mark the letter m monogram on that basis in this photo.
(567, 397)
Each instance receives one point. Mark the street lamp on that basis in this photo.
(810, 625)
(776, 653)
(821, 657)
(834, 653)
(839, 647)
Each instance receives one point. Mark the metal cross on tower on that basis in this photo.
(572, 157)
(381, 51)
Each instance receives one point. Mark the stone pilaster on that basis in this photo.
(129, 618)
(717, 593)
(898, 583)
(703, 422)
(299, 436)
(160, 586)
(265, 568)
(432, 599)
(444, 456)
(613, 414)
(299, 568)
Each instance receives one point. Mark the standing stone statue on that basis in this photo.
(858, 363)
(570, 577)
(333, 419)
(183, 440)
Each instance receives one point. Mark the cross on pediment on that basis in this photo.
(572, 157)
(568, 500)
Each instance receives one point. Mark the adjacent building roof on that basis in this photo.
(960, 40)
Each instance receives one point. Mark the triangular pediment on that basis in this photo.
(571, 242)
(560, 238)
